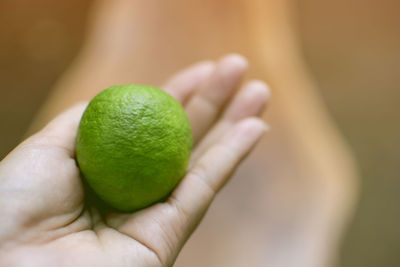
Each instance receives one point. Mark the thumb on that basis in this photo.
(60, 132)
(41, 178)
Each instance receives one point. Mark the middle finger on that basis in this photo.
(205, 106)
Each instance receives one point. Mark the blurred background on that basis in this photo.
(351, 47)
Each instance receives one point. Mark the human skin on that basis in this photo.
(45, 221)
(295, 193)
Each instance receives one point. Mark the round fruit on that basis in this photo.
(133, 145)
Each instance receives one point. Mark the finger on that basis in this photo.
(60, 132)
(196, 191)
(41, 177)
(250, 101)
(182, 85)
(205, 106)
(164, 227)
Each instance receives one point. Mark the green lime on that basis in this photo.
(133, 145)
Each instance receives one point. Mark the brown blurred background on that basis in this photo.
(352, 48)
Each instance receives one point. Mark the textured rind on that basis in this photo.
(133, 145)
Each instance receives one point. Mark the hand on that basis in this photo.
(44, 221)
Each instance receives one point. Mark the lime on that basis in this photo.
(133, 145)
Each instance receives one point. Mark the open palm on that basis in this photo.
(44, 219)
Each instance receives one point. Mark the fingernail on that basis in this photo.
(236, 60)
(267, 128)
